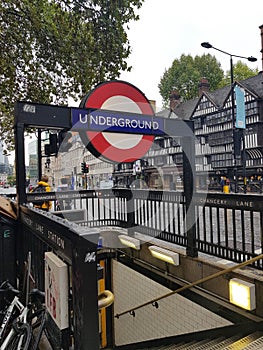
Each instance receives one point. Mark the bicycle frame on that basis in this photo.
(22, 318)
(15, 303)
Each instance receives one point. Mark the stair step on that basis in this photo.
(203, 344)
(224, 343)
(244, 342)
(252, 341)
(255, 345)
(180, 346)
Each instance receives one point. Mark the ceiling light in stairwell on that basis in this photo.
(130, 242)
(242, 294)
(164, 255)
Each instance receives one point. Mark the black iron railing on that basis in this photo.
(228, 226)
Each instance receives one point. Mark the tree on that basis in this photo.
(240, 72)
(11, 179)
(185, 74)
(52, 50)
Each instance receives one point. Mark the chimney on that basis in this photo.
(203, 86)
(261, 33)
(153, 104)
(174, 99)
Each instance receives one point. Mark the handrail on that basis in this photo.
(190, 285)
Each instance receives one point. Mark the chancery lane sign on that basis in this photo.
(117, 147)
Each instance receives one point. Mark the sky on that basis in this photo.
(169, 28)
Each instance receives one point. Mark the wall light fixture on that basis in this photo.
(242, 294)
(130, 242)
(164, 254)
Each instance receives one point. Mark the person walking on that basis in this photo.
(222, 183)
(42, 187)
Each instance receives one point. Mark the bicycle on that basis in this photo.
(6, 288)
(22, 325)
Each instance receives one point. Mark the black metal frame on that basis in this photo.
(77, 244)
(48, 116)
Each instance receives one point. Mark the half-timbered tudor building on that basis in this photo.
(217, 154)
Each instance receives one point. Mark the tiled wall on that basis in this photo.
(175, 315)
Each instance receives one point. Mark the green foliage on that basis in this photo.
(240, 72)
(185, 74)
(11, 180)
(52, 50)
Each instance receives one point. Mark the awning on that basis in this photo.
(255, 153)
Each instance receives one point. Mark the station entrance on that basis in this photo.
(107, 241)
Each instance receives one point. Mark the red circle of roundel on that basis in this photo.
(95, 141)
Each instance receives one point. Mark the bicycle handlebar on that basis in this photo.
(6, 287)
(38, 294)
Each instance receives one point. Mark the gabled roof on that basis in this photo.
(220, 96)
(182, 111)
(185, 110)
(254, 85)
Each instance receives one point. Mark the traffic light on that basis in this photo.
(51, 148)
(83, 167)
(53, 143)
(64, 141)
(47, 149)
(86, 168)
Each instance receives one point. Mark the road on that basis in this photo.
(7, 190)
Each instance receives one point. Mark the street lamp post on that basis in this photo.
(236, 137)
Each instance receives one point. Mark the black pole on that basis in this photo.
(20, 163)
(233, 124)
(188, 147)
(130, 211)
(39, 154)
(244, 163)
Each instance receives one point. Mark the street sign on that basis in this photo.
(115, 121)
(117, 147)
(240, 108)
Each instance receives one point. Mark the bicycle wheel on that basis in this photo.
(38, 325)
(21, 337)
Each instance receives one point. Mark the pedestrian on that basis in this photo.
(42, 187)
(173, 186)
(228, 185)
(222, 183)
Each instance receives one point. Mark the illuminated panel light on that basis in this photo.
(165, 255)
(130, 242)
(242, 294)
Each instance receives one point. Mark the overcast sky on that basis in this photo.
(169, 28)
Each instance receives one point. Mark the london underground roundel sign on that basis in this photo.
(117, 147)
